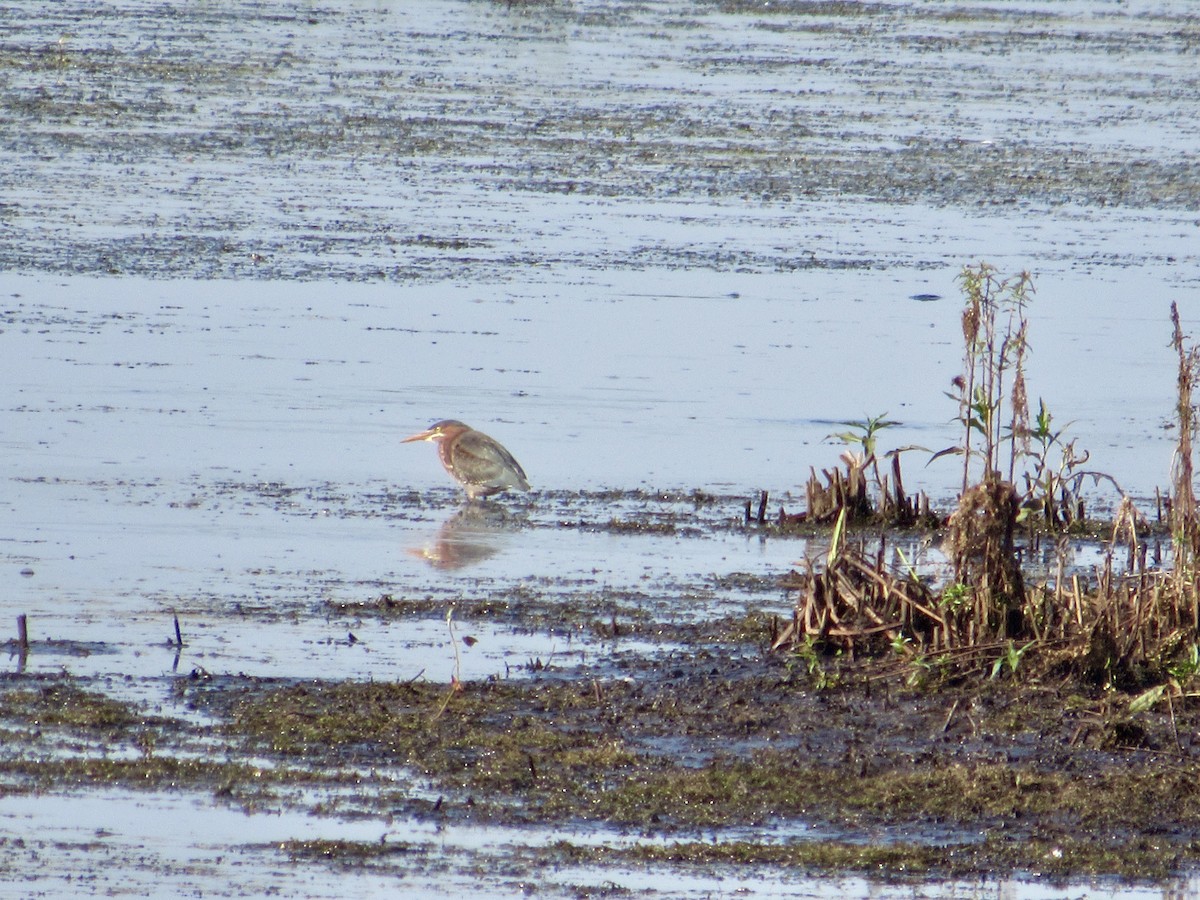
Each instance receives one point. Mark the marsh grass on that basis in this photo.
(991, 391)
(1132, 625)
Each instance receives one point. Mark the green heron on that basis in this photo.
(477, 462)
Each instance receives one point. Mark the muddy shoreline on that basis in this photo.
(715, 753)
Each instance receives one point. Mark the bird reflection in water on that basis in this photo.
(483, 467)
(474, 533)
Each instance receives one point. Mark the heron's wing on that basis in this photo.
(485, 461)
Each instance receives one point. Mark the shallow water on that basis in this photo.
(650, 247)
(183, 844)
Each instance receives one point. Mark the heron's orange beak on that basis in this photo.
(429, 434)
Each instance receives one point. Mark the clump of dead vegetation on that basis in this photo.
(1133, 625)
(848, 496)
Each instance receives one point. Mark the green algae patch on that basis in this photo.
(151, 772)
(59, 734)
(964, 779)
(695, 747)
(482, 737)
(827, 856)
(1056, 856)
(773, 788)
(62, 704)
(310, 719)
(352, 854)
(565, 752)
(966, 793)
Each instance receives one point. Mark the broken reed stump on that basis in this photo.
(762, 509)
(840, 492)
(980, 544)
(783, 521)
(848, 492)
(1184, 514)
(898, 508)
(857, 604)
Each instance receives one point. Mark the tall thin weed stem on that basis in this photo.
(995, 332)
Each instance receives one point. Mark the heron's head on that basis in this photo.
(438, 431)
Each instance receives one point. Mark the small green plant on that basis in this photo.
(860, 457)
(1010, 659)
(837, 539)
(807, 654)
(999, 435)
(901, 644)
(863, 454)
(995, 333)
(1049, 477)
(919, 670)
(957, 597)
(1188, 668)
(863, 432)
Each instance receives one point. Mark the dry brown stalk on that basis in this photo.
(1183, 500)
(855, 602)
(835, 490)
(848, 492)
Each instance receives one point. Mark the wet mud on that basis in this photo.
(678, 728)
(715, 753)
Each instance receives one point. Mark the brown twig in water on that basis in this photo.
(949, 716)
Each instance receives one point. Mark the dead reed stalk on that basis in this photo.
(1184, 526)
(980, 543)
(857, 604)
(849, 492)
